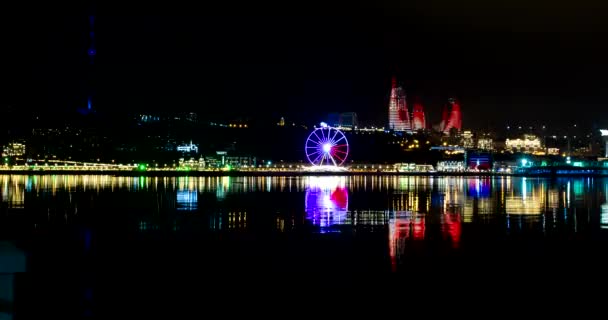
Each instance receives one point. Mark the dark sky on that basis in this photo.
(507, 61)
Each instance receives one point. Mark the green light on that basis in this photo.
(228, 167)
(578, 164)
(142, 167)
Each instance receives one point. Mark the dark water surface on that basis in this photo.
(103, 246)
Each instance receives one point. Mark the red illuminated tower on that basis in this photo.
(418, 118)
(454, 119)
(398, 115)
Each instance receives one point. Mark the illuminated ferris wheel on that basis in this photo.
(326, 146)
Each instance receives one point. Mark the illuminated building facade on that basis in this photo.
(529, 144)
(479, 161)
(451, 117)
(467, 140)
(188, 148)
(604, 133)
(450, 166)
(398, 115)
(486, 144)
(418, 117)
(14, 149)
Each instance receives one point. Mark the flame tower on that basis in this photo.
(452, 119)
(398, 115)
(418, 118)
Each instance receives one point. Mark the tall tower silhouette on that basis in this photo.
(91, 51)
(454, 119)
(398, 115)
(418, 118)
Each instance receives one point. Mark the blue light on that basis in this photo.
(327, 148)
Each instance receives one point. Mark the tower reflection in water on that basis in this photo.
(326, 202)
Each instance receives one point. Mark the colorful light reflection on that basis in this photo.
(326, 201)
(479, 187)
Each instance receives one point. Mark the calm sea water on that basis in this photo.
(94, 243)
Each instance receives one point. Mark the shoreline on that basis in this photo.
(287, 173)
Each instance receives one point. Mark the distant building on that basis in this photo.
(167, 117)
(450, 166)
(418, 117)
(479, 160)
(281, 122)
(348, 120)
(486, 144)
(14, 149)
(529, 144)
(398, 115)
(451, 117)
(222, 159)
(604, 133)
(188, 148)
(467, 140)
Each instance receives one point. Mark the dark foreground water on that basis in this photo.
(102, 246)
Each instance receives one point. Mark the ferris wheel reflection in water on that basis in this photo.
(326, 201)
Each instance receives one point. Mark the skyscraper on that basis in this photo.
(418, 117)
(398, 115)
(453, 119)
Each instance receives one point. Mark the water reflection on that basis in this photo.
(326, 201)
(406, 210)
(187, 200)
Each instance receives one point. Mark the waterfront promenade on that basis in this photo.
(540, 172)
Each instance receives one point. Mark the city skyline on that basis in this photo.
(284, 65)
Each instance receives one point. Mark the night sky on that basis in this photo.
(508, 63)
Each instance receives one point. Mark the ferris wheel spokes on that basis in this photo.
(326, 146)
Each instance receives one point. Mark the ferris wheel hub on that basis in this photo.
(326, 146)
